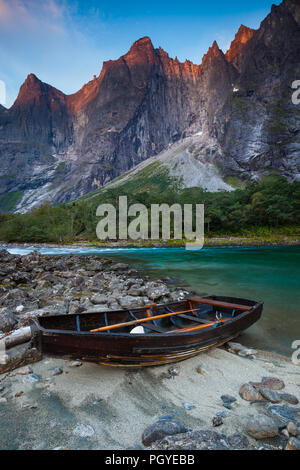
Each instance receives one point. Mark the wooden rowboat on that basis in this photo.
(152, 335)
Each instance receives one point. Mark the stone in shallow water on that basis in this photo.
(83, 430)
(261, 427)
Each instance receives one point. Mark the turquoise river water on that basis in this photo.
(270, 274)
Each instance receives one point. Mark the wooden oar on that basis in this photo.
(141, 320)
(194, 328)
(217, 303)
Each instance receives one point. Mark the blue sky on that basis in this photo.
(64, 42)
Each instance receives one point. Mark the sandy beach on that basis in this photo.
(114, 406)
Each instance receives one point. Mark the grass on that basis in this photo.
(289, 235)
(234, 181)
(9, 201)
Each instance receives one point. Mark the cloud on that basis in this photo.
(32, 15)
(47, 38)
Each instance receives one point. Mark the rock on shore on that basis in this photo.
(39, 285)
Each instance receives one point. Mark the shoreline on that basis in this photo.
(56, 404)
(209, 243)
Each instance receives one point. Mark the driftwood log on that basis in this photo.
(17, 349)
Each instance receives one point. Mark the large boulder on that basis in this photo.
(99, 299)
(162, 428)
(270, 382)
(129, 302)
(155, 292)
(119, 267)
(271, 395)
(261, 427)
(14, 297)
(250, 393)
(286, 413)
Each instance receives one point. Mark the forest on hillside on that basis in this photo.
(260, 208)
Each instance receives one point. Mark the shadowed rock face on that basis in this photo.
(56, 147)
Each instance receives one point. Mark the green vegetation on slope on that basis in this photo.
(9, 201)
(262, 208)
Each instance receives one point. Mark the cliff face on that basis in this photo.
(260, 124)
(56, 147)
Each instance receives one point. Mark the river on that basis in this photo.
(270, 274)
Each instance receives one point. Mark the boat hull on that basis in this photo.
(128, 350)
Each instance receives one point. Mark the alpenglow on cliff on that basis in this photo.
(56, 147)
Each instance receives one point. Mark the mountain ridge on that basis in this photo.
(56, 147)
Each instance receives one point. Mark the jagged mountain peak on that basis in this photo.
(32, 78)
(293, 6)
(144, 42)
(213, 52)
(243, 35)
(140, 56)
(55, 147)
(141, 52)
(215, 47)
(34, 91)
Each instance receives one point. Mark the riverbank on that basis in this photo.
(272, 240)
(54, 403)
(61, 404)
